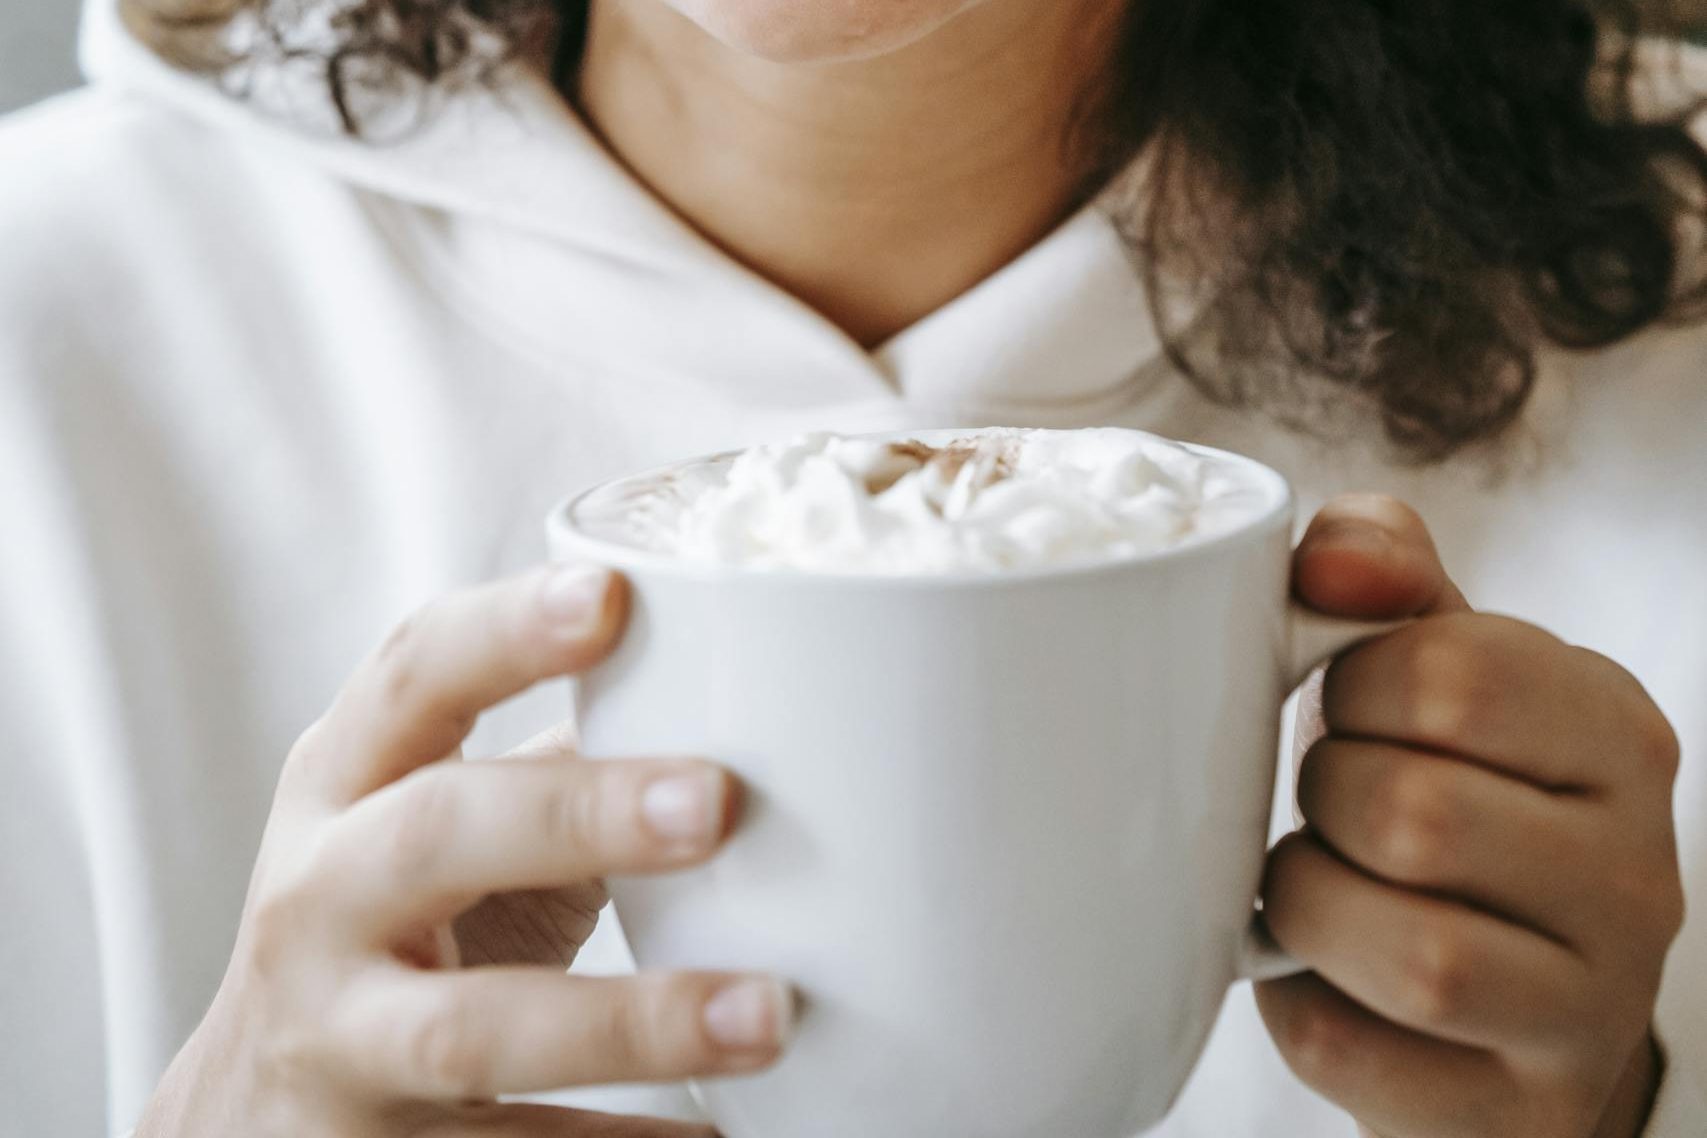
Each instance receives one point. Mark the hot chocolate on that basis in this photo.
(993, 500)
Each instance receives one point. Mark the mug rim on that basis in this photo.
(566, 538)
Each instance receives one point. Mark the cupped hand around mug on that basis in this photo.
(1487, 883)
(400, 961)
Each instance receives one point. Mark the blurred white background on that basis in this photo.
(36, 49)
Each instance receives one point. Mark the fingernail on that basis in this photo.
(685, 808)
(750, 1014)
(574, 598)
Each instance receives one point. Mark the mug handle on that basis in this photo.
(1312, 639)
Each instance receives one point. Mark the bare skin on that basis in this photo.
(372, 994)
(1487, 882)
(875, 189)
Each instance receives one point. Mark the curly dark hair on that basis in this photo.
(1391, 201)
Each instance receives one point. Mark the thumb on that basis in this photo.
(1369, 556)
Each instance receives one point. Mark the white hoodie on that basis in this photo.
(263, 390)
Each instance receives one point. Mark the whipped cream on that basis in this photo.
(991, 500)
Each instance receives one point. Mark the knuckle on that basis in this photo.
(1654, 743)
(398, 658)
(669, 1017)
(1437, 978)
(1417, 825)
(445, 1053)
(294, 1051)
(316, 860)
(1315, 1042)
(1657, 746)
(645, 1031)
(570, 816)
(1675, 911)
(403, 678)
(307, 754)
(416, 826)
(1446, 682)
(309, 743)
(287, 891)
(617, 1030)
(1661, 897)
(288, 903)
(272, 927)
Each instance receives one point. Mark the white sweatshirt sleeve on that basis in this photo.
(51, 1054)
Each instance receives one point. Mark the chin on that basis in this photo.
(820, 31)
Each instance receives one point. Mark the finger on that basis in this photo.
(535, 926)
(1424, 963)
(494, 1031)
(1371, 557)
(1491, 689)
(429, 846)
(1390, 1078)
(1648, 751)
(529, 1120)
(417, 697)
(1430, 822)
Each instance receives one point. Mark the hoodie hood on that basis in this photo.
(512, 151)
(507, 174)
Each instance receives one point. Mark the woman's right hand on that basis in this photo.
(345, 1012)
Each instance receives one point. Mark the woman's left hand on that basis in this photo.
(1487, 884)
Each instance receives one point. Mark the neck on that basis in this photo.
(875, 190)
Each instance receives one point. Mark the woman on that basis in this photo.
(311, 310)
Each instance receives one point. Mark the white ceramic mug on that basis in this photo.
(1005, 832)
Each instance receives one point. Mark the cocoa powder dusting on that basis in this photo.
(948, 461)
(917, 451)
